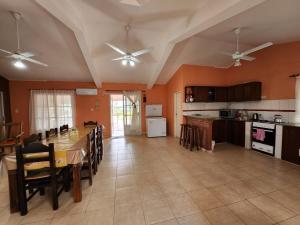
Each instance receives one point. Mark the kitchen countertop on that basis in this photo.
(210, 118)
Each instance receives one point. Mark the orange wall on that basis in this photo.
(85, 105)
(272, 67)
(190, 75)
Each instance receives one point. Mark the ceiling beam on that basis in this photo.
(200, 21)
(73, 23)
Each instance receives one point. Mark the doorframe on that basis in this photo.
(177, 98)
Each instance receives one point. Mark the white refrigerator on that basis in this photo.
(156, 124)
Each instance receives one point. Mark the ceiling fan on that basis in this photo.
(237, 56)
(18, 55)
(128, 58)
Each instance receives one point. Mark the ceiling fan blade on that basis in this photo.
(225, 53)
(225, 67)
(247, 58)
(27, 54)
(135, 59)
(5, 51)
(257, 48)
(116, 49)
(33, 61)
(141, 52)
(117, 59)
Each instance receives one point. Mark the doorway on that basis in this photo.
(117, 115)
(177, 113)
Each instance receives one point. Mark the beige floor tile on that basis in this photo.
(157, 211)
(98, 217)
(131, 214)
(243, 189)
(182, 205)
(293, 221)
(6, 218)
(125, 181)
(171, 188)
(249, 214)
(43, 222)
(222, 216)
(67, 219)
(288, 199)
(260, 185)
(271, 208)
(168, 222)
(194, 219)
(127, 196)
(226, 194)
(205, 199)
(190, 183)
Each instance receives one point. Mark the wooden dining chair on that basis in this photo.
(99, 143)
(13, 133)
(63, 128)
(38, 171)
(32, 138)
(51, 133)
(90, 165)
(90, 124)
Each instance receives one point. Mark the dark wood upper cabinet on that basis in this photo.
(221, 94)
(237, 93)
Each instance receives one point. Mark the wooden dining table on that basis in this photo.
(74, 143)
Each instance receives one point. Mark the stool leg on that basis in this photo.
(181, 135)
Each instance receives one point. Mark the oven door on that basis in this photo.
(263, 139)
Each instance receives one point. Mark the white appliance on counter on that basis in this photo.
(156, 124)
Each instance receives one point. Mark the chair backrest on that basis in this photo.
(64, 128)
(91, 143)
(35, 148)
(99, 136)
(12, 130)
(51, 132)
(32, 138)
(90, 124)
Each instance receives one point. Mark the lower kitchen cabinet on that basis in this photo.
(232, 131)
(291, 144)
(236, 132)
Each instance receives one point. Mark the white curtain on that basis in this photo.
(51, 109)
(132, 123)
(297, 92)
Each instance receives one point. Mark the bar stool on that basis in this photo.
(190, 138)
(196, 137)
(183, 133)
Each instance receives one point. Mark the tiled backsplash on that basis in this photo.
(262, 107)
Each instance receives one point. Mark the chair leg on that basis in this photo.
(66, 177)
(42, 191)
(22, 198)
(90, 174)
(54, 194)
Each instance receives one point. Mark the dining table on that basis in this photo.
(72, 143)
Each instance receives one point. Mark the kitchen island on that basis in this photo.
(218, 130)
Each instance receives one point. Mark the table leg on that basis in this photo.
(77, 193)
(13, 191)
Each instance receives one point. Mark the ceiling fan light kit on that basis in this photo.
(19, 64)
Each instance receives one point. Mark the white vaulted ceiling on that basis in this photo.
(70, 35)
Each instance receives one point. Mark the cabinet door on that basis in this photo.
(291, 144)
(252, 91)
(200, 94)
(220, 131)
(221, 94)
(239, 93)
(236, 132)
(230, 94)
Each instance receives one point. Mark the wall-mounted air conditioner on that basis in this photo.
(86, 91)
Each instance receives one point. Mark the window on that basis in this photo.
(51, 109)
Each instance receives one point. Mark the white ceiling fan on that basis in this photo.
(18, 55)
(237, 56)
(137, 3)
(128, 58)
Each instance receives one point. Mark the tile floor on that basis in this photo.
(155, 181)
